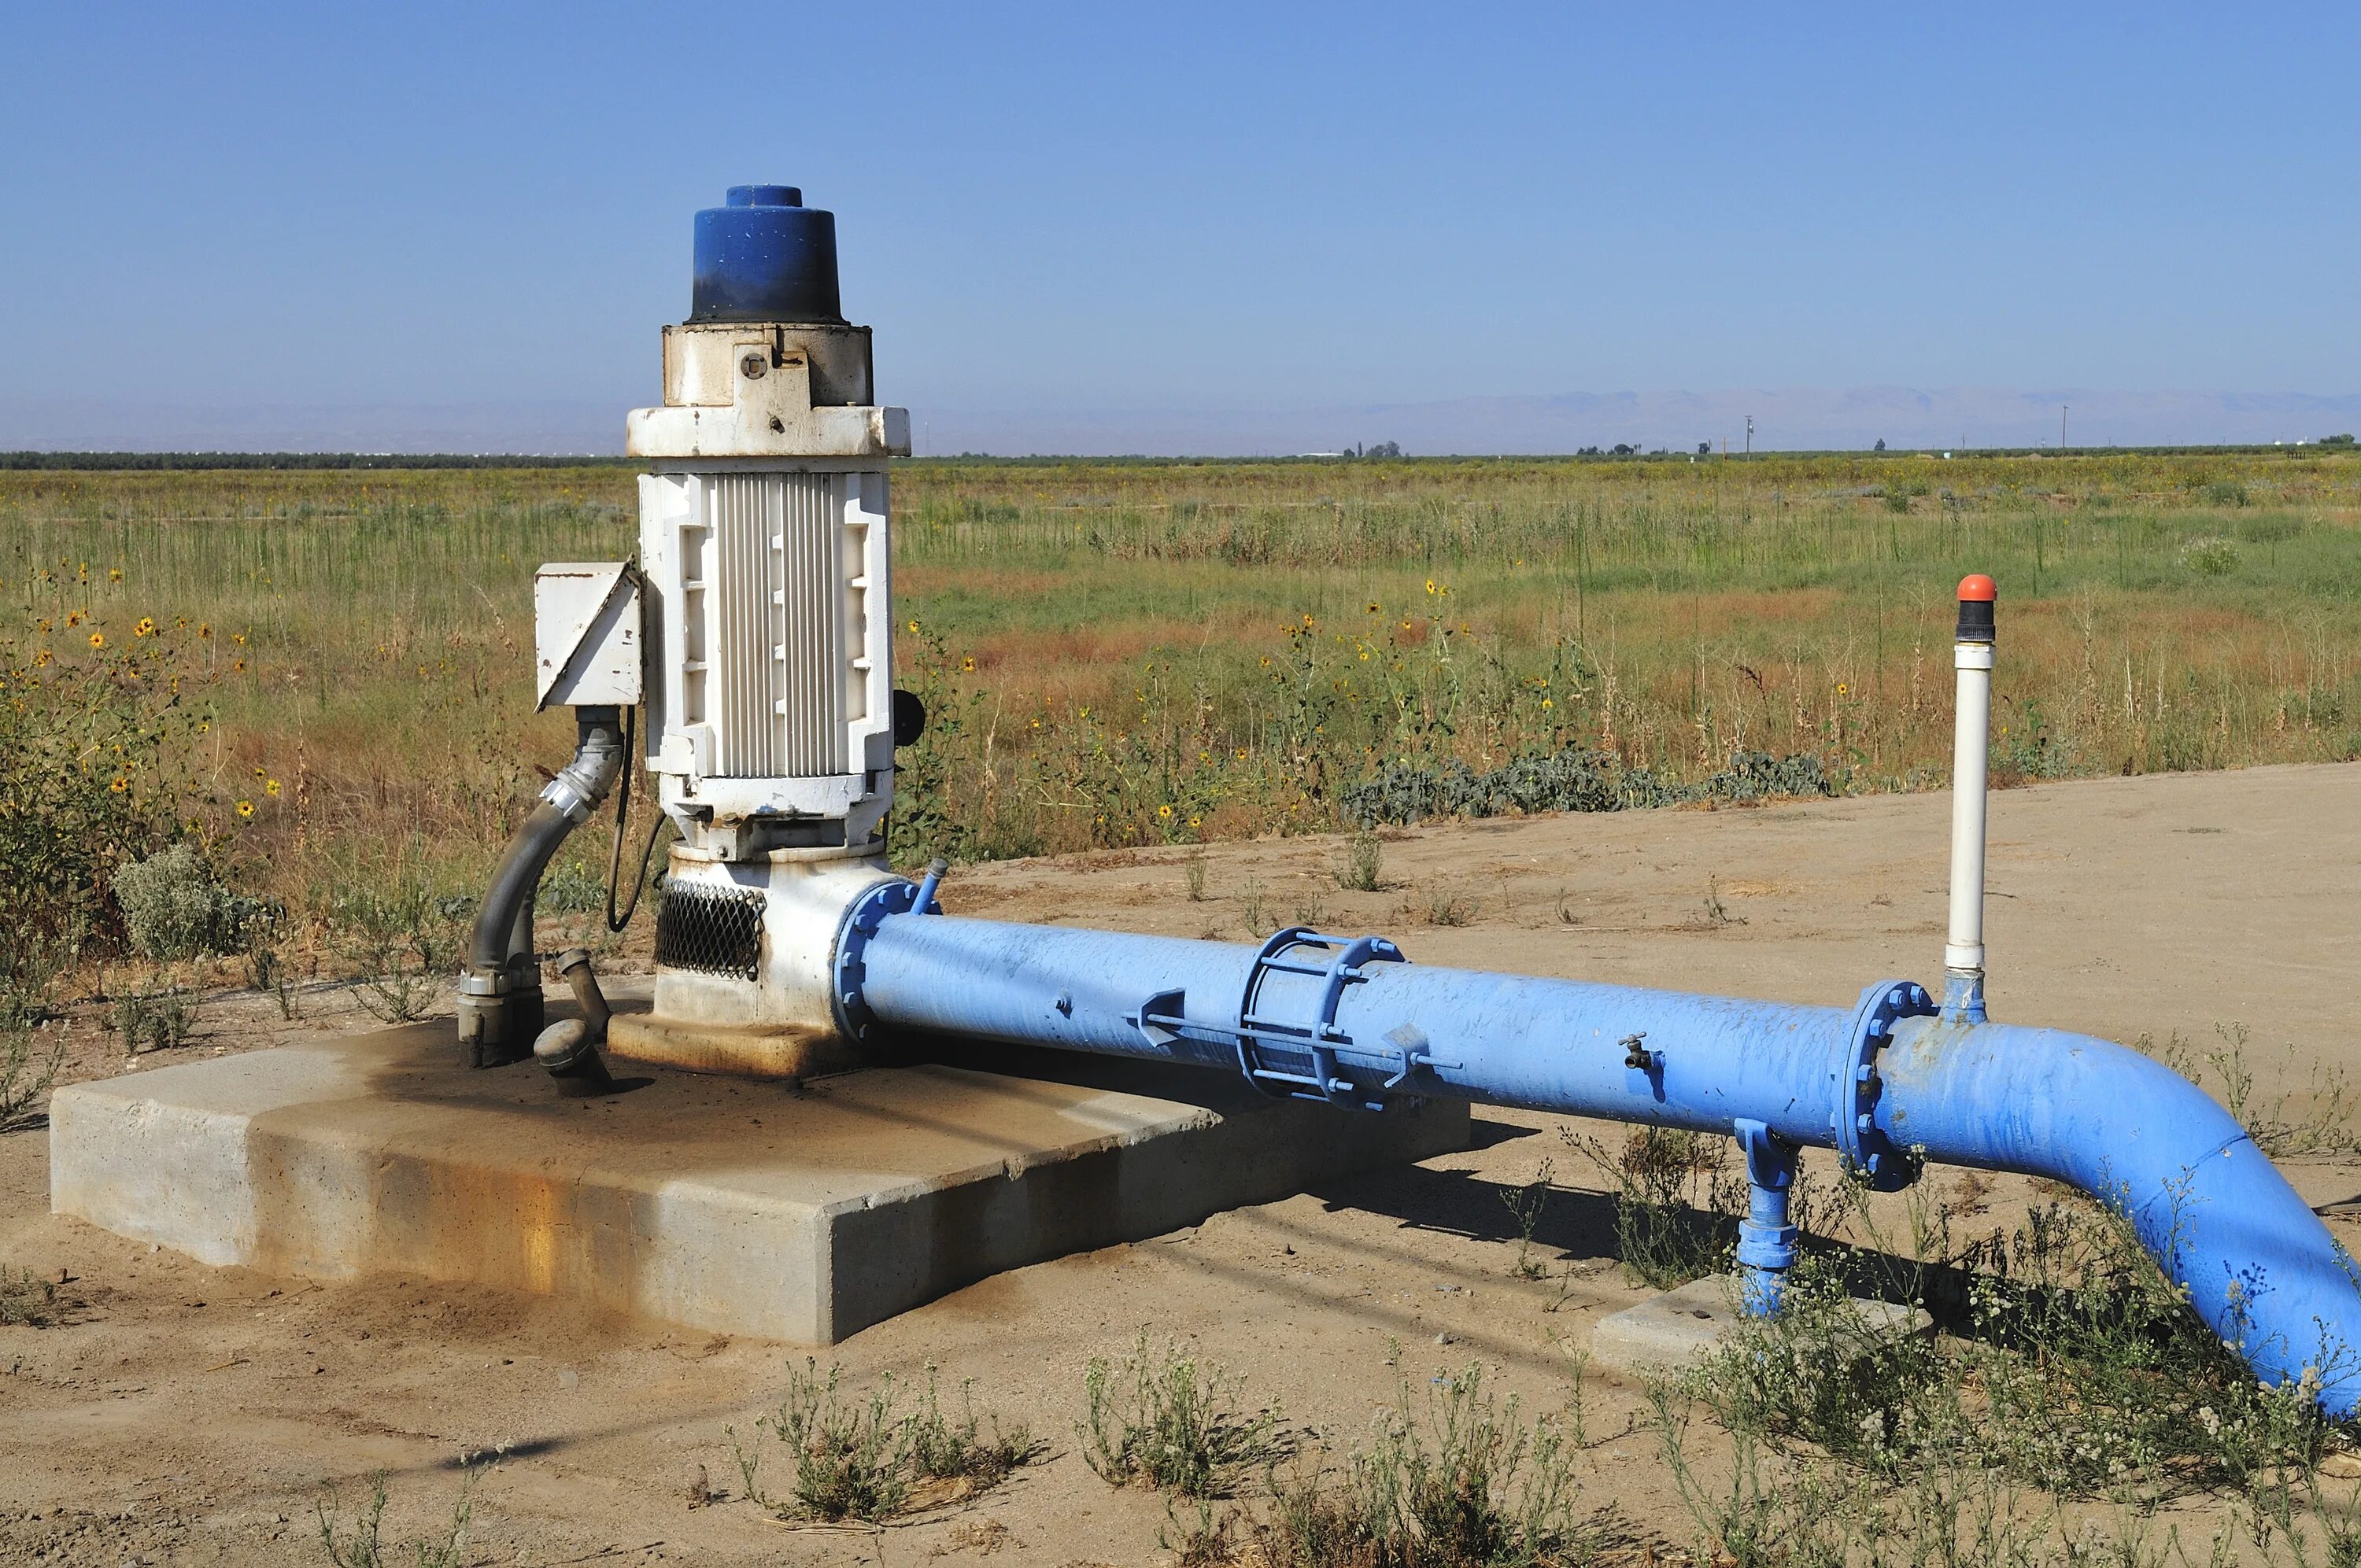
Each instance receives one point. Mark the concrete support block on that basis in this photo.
(1682, 1329)
(803, 1214)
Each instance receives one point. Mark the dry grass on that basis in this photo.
(1143, 653)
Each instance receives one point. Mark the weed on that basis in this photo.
(1575, 778)
(868, 1459)
(95, 744)
(1193, 868)
(336, 603)
(1364, 867)
(156, 1020)
(956, 1452)
(27, 1301)
(404, 944)
(1444, 907)
(1525, 1205)
(1459, 1478)
(290, 999)
(1672, 1201)
(264, 965)
(29, 1060)
(851, 1457)
(1252, 913)
(363, 1546)
(1311, 910)
(2315, 1121)
(1716, 914)
(1163, 1420)
(2082, 1374)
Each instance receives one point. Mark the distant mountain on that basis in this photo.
(1904, 418)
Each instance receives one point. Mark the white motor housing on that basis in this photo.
(769, 708)
(770, 722)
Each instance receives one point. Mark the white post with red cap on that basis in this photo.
(1972, 657)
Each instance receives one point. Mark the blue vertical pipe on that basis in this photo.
(2258, 1264)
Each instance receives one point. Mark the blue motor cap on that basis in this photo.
(765, 257)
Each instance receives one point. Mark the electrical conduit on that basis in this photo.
(499, 993)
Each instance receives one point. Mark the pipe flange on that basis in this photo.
(1865, 1146)
(900, 896)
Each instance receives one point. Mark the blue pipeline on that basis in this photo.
(1886, 1082)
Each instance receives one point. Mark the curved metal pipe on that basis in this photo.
(499, 993)
(1883, 1082)
(569, 1048)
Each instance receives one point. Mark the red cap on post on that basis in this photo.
(1977, 593)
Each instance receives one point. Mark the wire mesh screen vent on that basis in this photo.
(712, 930)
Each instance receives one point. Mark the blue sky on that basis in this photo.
(1186, 214)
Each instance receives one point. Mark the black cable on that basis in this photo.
(622, 818)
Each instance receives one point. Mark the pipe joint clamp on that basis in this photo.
(1289, 1058)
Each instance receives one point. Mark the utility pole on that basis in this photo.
(1750, 438)
(2061, 427)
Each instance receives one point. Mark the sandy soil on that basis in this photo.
(190, 1415)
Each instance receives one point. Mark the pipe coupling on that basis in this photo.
(1852, 1120)
(598, 762)
(581, 784)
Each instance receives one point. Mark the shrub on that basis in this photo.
(868, 1459)
(29, 1059)
(89, 772)
(174, 908)
(402, 942)
(1573, 779)
(2210, 555)
(1458, 1478)
(1167, 1420)
(153, 1020)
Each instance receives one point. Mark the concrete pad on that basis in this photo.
(797, 1212)
(1682, 1329)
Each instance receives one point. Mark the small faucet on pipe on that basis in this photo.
(1972, 657)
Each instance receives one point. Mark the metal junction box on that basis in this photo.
(586, 635)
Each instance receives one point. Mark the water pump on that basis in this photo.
(760, 627)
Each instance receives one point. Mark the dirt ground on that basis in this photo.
(184, 1414)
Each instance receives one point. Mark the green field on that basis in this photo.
(1127, 652)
